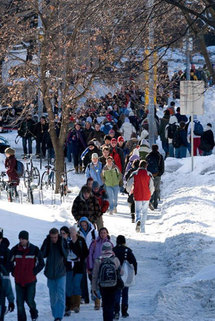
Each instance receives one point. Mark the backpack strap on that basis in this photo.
(93, 234)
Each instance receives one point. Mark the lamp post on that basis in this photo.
(40, 39)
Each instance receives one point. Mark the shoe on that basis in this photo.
(57, 319)
(116, 317)
(35, 319)
(115, 210)
(138, 226)
(67, 313)
(151, 206)
(132, 218)
(97, 304)
(125, 315)
(111, 212)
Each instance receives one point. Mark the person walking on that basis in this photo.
(99, 284)
(41, 132)
(27, 262)
(5, 292)
(207, 141)
(141, 182)
(156, 167)
(54, 249)
(26, 131)
(78, 252)
(10, 165)
(4, 251)
(94, 169)
(123, 253)
(111, 176)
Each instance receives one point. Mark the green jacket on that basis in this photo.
(111, 176)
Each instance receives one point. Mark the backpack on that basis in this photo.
(171, 130)
(19, 168)
(198, 128)
(153, 164)
(107, 273)
(176, 142)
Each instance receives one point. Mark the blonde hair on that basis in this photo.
(9, 151)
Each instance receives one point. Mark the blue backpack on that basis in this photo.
(198, 128)
(19, 168)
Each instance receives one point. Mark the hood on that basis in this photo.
(173, 119)
(133, 157)
(127, 120)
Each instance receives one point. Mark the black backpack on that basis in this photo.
(153, 164)
(176, 142)
(171, 130)
(107, 273)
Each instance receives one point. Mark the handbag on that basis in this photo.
(128, 276)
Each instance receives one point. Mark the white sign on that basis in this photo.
(192, 97)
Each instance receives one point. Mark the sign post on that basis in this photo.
(192, 103)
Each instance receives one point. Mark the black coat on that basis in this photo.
(207, 141)
(26, 129)
(123, 252)
(80, 249)
(158, 159)
(4, 253)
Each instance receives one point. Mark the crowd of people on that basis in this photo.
(71, 257)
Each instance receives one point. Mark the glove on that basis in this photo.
(11, 307)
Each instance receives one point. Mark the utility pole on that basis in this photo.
(40, 39)
(151, 75)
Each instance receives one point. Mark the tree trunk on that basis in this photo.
(204, 52)
(59, 164)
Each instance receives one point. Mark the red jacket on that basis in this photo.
(10, 164)
(143, 185)
(27, 263)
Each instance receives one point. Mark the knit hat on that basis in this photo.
(65, 229)
(209, 125)
(1, 232)
(120, 139)
(107, 246)
(111, 131)
(91, 143)
(24, 235)
(120, 240)
(94, 155)
(95, 185)
(113, 140)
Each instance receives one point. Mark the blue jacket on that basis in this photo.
(95, 171)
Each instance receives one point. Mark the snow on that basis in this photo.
(176, 255)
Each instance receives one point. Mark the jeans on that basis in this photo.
(26, 294)
(25, 142)
(41, 145)
(69, 152)
(156, 194)
(118, 294)
(73, 283)
(165, 146)
(57, 293)
(112, 196)
(171, 150)
(108, 299)
(2, 311)
(141, 212)
(181, 152)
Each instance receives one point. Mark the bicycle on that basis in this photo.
(48, 178)
(31, 173)
(64, 184)
(2, 182)
(12, 193)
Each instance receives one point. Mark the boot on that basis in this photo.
(76, 169)
(77, 302)
(80, 169)
(132, 218)
(124, 309)
(69, 306)
(97, 304)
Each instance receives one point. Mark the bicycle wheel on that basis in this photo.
(26, 177)
(44, 180)
(52, 180)
(30, 196)
(9, 194)
(35, 176)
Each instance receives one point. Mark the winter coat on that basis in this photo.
(129, 165)
(77, 139)
(88, 208)
(5, 288)
(123, 252)
(144, 149)
(207, 141)
(183, 137)
(4, 253)
(95, 276)
(10, 164)
(172, 120)
(143, 185)
(40, 131)
(118, 158)
(27, 263)
(111, 176)
(56, 254)
(95, 251)
(131, 144)
(26, 129)
(127, 129)
(90, 234)
(88, 133)
(163, 123)
(157, 159)
(80, 252)
(94, 171)
(102, 198)
(86, 159)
